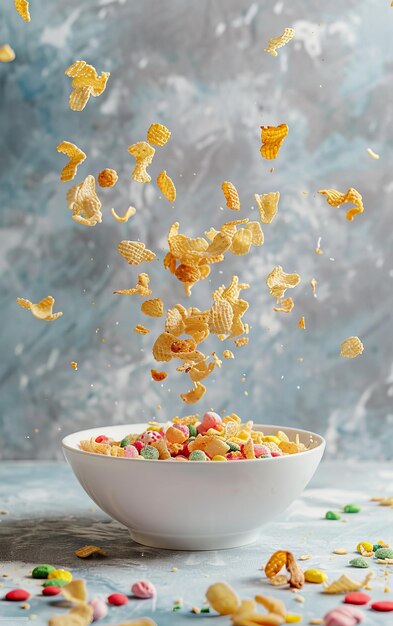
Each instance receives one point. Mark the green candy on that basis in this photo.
(205, 609)
(384, 553)
(124, 442)
(192, 430)
(332, 515)
(351, 508)
(150, 453)
(197, 455)
(376, 546)
(55, 582)
(42, 571)
(359, 561)
(233, 447)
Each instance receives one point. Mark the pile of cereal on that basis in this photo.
(189, 439)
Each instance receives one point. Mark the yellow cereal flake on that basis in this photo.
(302, 323)
(143, 154)
(124, 218)
(195, 394)
(351, 347)
(87, 551)
(22, 6)
(335, 198)
(272, 138)
(286, 306)
(84, 203)
(135, 252)
(242, 341)
(241, 242)
(166, 186)
(344, 584)
(231, 196)
(278, 282)
(76, 157)
(141, 330)
(158, 134)
(153, 308)
(142, 287)
(268, 205)
(80, 615)
(278, 42)
(43, 310)
(86, 83)
(6, 53)
(228, 354)
(107, 178)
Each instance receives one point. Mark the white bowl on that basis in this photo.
(192, 505)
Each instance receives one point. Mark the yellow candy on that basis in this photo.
(315, 576)
(366, 545)
(219, 457)
(291, 618)
(272, 438)
(60, 574)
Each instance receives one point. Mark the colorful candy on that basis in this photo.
(366, 545)
(117, 599)
(383, 606)
(357, 597)
(100, 608)
(150, 453)
(143, 589)
(197, 455)
(359, 561)
(351, 508)
(315, 576)
(55, 582)
(332, 515)
(343, 616)
(60, 574)
(51, 590)
(384, 553)
(42, 571)
(17, 595)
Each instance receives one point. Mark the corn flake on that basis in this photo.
(87, 551)
(84, 203)
(286, 306)
(158, 376)
(268, 205)
(129, 213)
(81, 615)
(344, 584)
(153, 308)
(135, 252)
(158, 134)
(302, 323)
(6, 53)
(278, 42)
(86, 83)
(22, 6)
(231, 196)
(228, 354)
(141, 330)
(241, 242)
(195, 394)
(166, 186)
(43, 310)
(351, 347)
(143, 154)
(335, 198)
(76, 157)
(278, 282)
(272, 138)
(242, 341)
(142, 287)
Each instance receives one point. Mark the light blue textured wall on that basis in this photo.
(198, 67)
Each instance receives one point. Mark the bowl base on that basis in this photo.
(172, 542)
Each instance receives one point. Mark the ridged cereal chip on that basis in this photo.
(158, 376)
(286, 306)
(302, 323)
(84, 203)
(153, 308)
(228, 354)
(231, 196)
(86, 83)
(278, 282)
(22, 6)
(79, 98)
(344, 584)
(195, 394)
(335, 198)
(142, 287)
(248, 449)
(76, 157)
(166, 186)
(143, 154)
(221, 317)
(87, 551)
(135, 252)
(257, 237)
(241, 242)
(278, 42)
(43, 310)
(141, 330)
(242, 341)
(107, 178)
(162, 347)
(272, 138)
(6, 53)
(267, 205)
(158, 134)
(223, 599)
(129, 213)
(351, 347)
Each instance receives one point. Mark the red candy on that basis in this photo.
(101, 439)
(117, 599)
(382, 605)
(357, 597)
(51, 591)
(17, 595)
(138, 445)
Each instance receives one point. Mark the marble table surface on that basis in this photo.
(45, 516)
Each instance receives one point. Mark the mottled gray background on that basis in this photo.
(198, 67)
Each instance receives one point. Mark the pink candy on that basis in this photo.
(343, 616)
(131, 452)
(100, 608)
(183, 428)
(261, 450)
(276, 453)
(150, 436)
(143, 589)
(210, 420)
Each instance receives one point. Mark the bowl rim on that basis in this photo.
(72, 447)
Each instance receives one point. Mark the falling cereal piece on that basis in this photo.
(107, 178)
(267, 205)
(195, 394)
(76, 157)
(373, 154)
(142, 287)
(351, 347)
(22, 6)
(302, 323)
(84, 203)
(314, 285)
(74, 365)
(166, 186)
(242, 341)
(158, 134)
(6, 54)
(344, 584)
(129, 213)
(141, 330)
(286, 306)
(241, 242)
(87, 551)
(336, 199)
(228, 354)
(158, 376)
(143, 154)
(135, 252)
(86, 83)
(231, 196)
(76, 591)
(278, 282)
(43, 310)
(318, 249)
(80, 615)
(278, 42)
(272, 138)
(153, 308)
